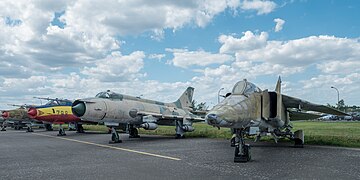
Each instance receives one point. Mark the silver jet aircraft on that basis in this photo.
(130, 112)
(247, 110)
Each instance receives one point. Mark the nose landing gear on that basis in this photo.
(242, 150)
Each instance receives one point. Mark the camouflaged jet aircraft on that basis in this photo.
(20, 118)
(247, 110)
(118, 110)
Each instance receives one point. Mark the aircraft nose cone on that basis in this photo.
(5, 114)
(32, 112)
(78, 109)
(211, 116)
(211, 119)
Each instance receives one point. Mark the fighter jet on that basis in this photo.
(56, 111)
(249, 111)
(19, 118)
(118, 110)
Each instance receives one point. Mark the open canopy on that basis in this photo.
(245, 88)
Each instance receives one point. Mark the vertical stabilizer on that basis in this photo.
(281, 110)
(279, 99)
(185, 99)
(278, 86)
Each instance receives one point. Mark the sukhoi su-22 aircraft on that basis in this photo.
(247, 110)
(118, 110)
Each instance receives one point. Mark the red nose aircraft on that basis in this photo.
(56, 111)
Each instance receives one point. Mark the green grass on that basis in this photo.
(346, 134)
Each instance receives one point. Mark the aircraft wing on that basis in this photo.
(296, 116)
(291, 102)
(171, 117)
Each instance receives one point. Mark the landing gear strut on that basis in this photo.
(242, 150)
(79, 128)
(29, 128)
(232, 140)
(72, 126)
(61, 131)
(133, 132)
(115, 138)
(179, 130)
(48, 127)
(3, 127)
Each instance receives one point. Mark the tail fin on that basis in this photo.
(185, 99)
(281, 113)
(278, 86)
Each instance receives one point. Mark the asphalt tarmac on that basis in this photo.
(43, 155)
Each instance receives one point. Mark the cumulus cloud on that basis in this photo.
(294, 53)
(157, 56)
(249, 41)
(340, 67)
(117, 67)
(318, 88)
(185, 58)
(279, 24)
(261, 6)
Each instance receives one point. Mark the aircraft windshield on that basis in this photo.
(245, 88)
(59, 103)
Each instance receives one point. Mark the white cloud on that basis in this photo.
(261, 6)
(318, 88)
(340, 67)
(249, 41)
(185, 58)
(157, 56)
(279, 24)
(117, 67)
(293, 53)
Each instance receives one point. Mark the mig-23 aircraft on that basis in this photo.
(56, 111)
(247, 110)
(128, 112)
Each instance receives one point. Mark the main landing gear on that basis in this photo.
(79, 128)
(48, 127)
(3, 127)
(242, 150)
(61, 131)
(179, 130)
(298, 138)
(29, 128)
(133, 132)
(115, 138)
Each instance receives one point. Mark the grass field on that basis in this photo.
(346, 134)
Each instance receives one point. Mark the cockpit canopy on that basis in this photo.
(109, 95)
(245, 88)
(59, 102)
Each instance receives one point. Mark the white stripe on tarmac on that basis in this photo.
(111, 147)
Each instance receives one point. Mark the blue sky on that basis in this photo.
(73, 49)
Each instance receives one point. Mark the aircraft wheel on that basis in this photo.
(134, 133)
(242, 158)
(115, 139)
(179, 136)
(232, 142)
